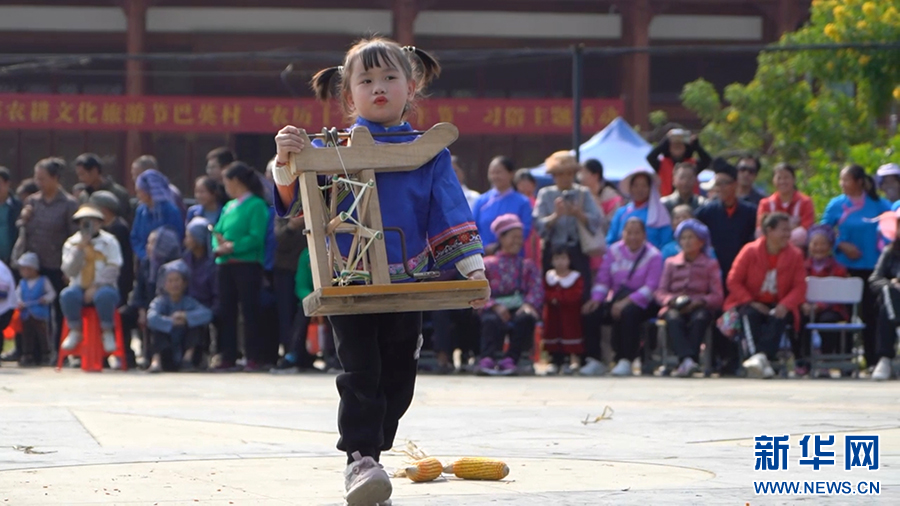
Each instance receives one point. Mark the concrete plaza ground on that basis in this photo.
(258, 439)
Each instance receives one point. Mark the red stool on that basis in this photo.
(90, 349)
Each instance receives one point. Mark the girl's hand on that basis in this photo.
(288, 140)
(479, 303)
(226, 248)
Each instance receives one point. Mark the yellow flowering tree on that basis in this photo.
(807, 107)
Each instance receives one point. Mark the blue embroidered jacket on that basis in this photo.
(428, 204)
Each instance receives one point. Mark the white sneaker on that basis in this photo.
(686, 369)
(622, 368)
(73, 339)
(882, 371)
(592, 367)
(366, 482)
(758, 366)
(109, 341)
(551, 370)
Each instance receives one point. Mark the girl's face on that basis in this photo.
(640, 189)
(784, 181)
(690, 243)
(381, 93)
(849, 185)
(143, 197)
(28, 272)
(499, 177)
(234, 187)
(561, 262)
(819, 247)
(525, 187)
(511, 241)
(202, 194)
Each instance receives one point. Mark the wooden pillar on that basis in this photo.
(404, 19)
(636, 17)
(136, 15)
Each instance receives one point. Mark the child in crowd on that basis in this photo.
(679, 214)
(563, 296)
(35, 293)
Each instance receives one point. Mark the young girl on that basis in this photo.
(34, 294)
(377, 85)
(820, 263)
(563, 295)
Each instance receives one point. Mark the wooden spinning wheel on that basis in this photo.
(361, 283)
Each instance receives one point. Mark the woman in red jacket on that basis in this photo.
(767, 285)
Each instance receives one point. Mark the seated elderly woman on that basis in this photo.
(623, 291)
(91, 259)
(691, 293)
(517, 294)
(767, 285)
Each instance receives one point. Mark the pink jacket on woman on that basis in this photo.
(699, 280)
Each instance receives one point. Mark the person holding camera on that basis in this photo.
(91, 259)
(678, 146)
(690, 293)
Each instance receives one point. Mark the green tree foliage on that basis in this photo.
(818, 109)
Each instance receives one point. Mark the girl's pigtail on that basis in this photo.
(326, 81)
(427, 64)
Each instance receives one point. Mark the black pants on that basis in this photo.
(520, 330)
(686, 331)
(36, 337)
(868, 312)
(888, 321)
(292, 321)
(55, 276)
(266, 335)
(378, 353)
(762, 331)
(831, 341)
(239, 282)
(171, 346)
(457, 328)
(628, 330)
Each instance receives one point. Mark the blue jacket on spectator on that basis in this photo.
(146, 220)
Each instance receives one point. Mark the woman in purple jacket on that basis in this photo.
(623, 291)
(691, 293)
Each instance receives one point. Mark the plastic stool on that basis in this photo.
(90, 349)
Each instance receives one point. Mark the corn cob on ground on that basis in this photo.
(424, 470)
(478, 468)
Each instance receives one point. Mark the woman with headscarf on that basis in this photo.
(175, 319)
(690, 293)
(163, 246)
(642, 186)
(820, 263)
(157, 208)
(888, 179)
(502, 198)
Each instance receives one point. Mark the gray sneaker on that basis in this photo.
(366, 482)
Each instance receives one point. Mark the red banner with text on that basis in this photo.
(259, 115)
